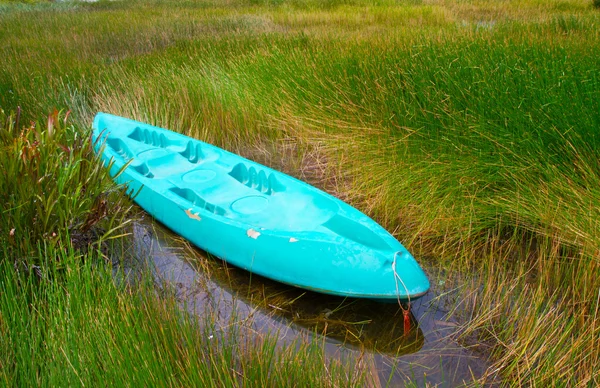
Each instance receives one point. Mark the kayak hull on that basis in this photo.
(254, 217)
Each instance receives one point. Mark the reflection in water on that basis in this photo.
(350, 328)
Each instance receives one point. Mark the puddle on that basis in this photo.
(350, 328)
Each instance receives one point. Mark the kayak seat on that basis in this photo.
(161, 163)
(194, 199)
(257, 179)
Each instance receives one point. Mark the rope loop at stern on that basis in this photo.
(405, 311)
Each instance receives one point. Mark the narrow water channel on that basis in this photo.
(350, 328)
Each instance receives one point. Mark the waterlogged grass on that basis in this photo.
(75, 327)
(467, 128)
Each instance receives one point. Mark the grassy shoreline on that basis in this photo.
(467, 128)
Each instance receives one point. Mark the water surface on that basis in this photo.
(352, 329)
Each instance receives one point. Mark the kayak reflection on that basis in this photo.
(208, 286)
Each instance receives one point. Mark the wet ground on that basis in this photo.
(352, 329)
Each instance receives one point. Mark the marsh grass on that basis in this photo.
(467, 128)
(52, 189)
(81, 329)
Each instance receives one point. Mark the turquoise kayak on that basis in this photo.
(254, 217)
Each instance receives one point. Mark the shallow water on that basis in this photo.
(350, 328)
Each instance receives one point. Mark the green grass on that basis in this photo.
(52, 189)
(75, 327)
(467, 128)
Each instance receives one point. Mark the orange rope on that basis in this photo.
(405, 311)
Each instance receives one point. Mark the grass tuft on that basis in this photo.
(53, 189)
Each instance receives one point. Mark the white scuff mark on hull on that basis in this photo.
(252, 233)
